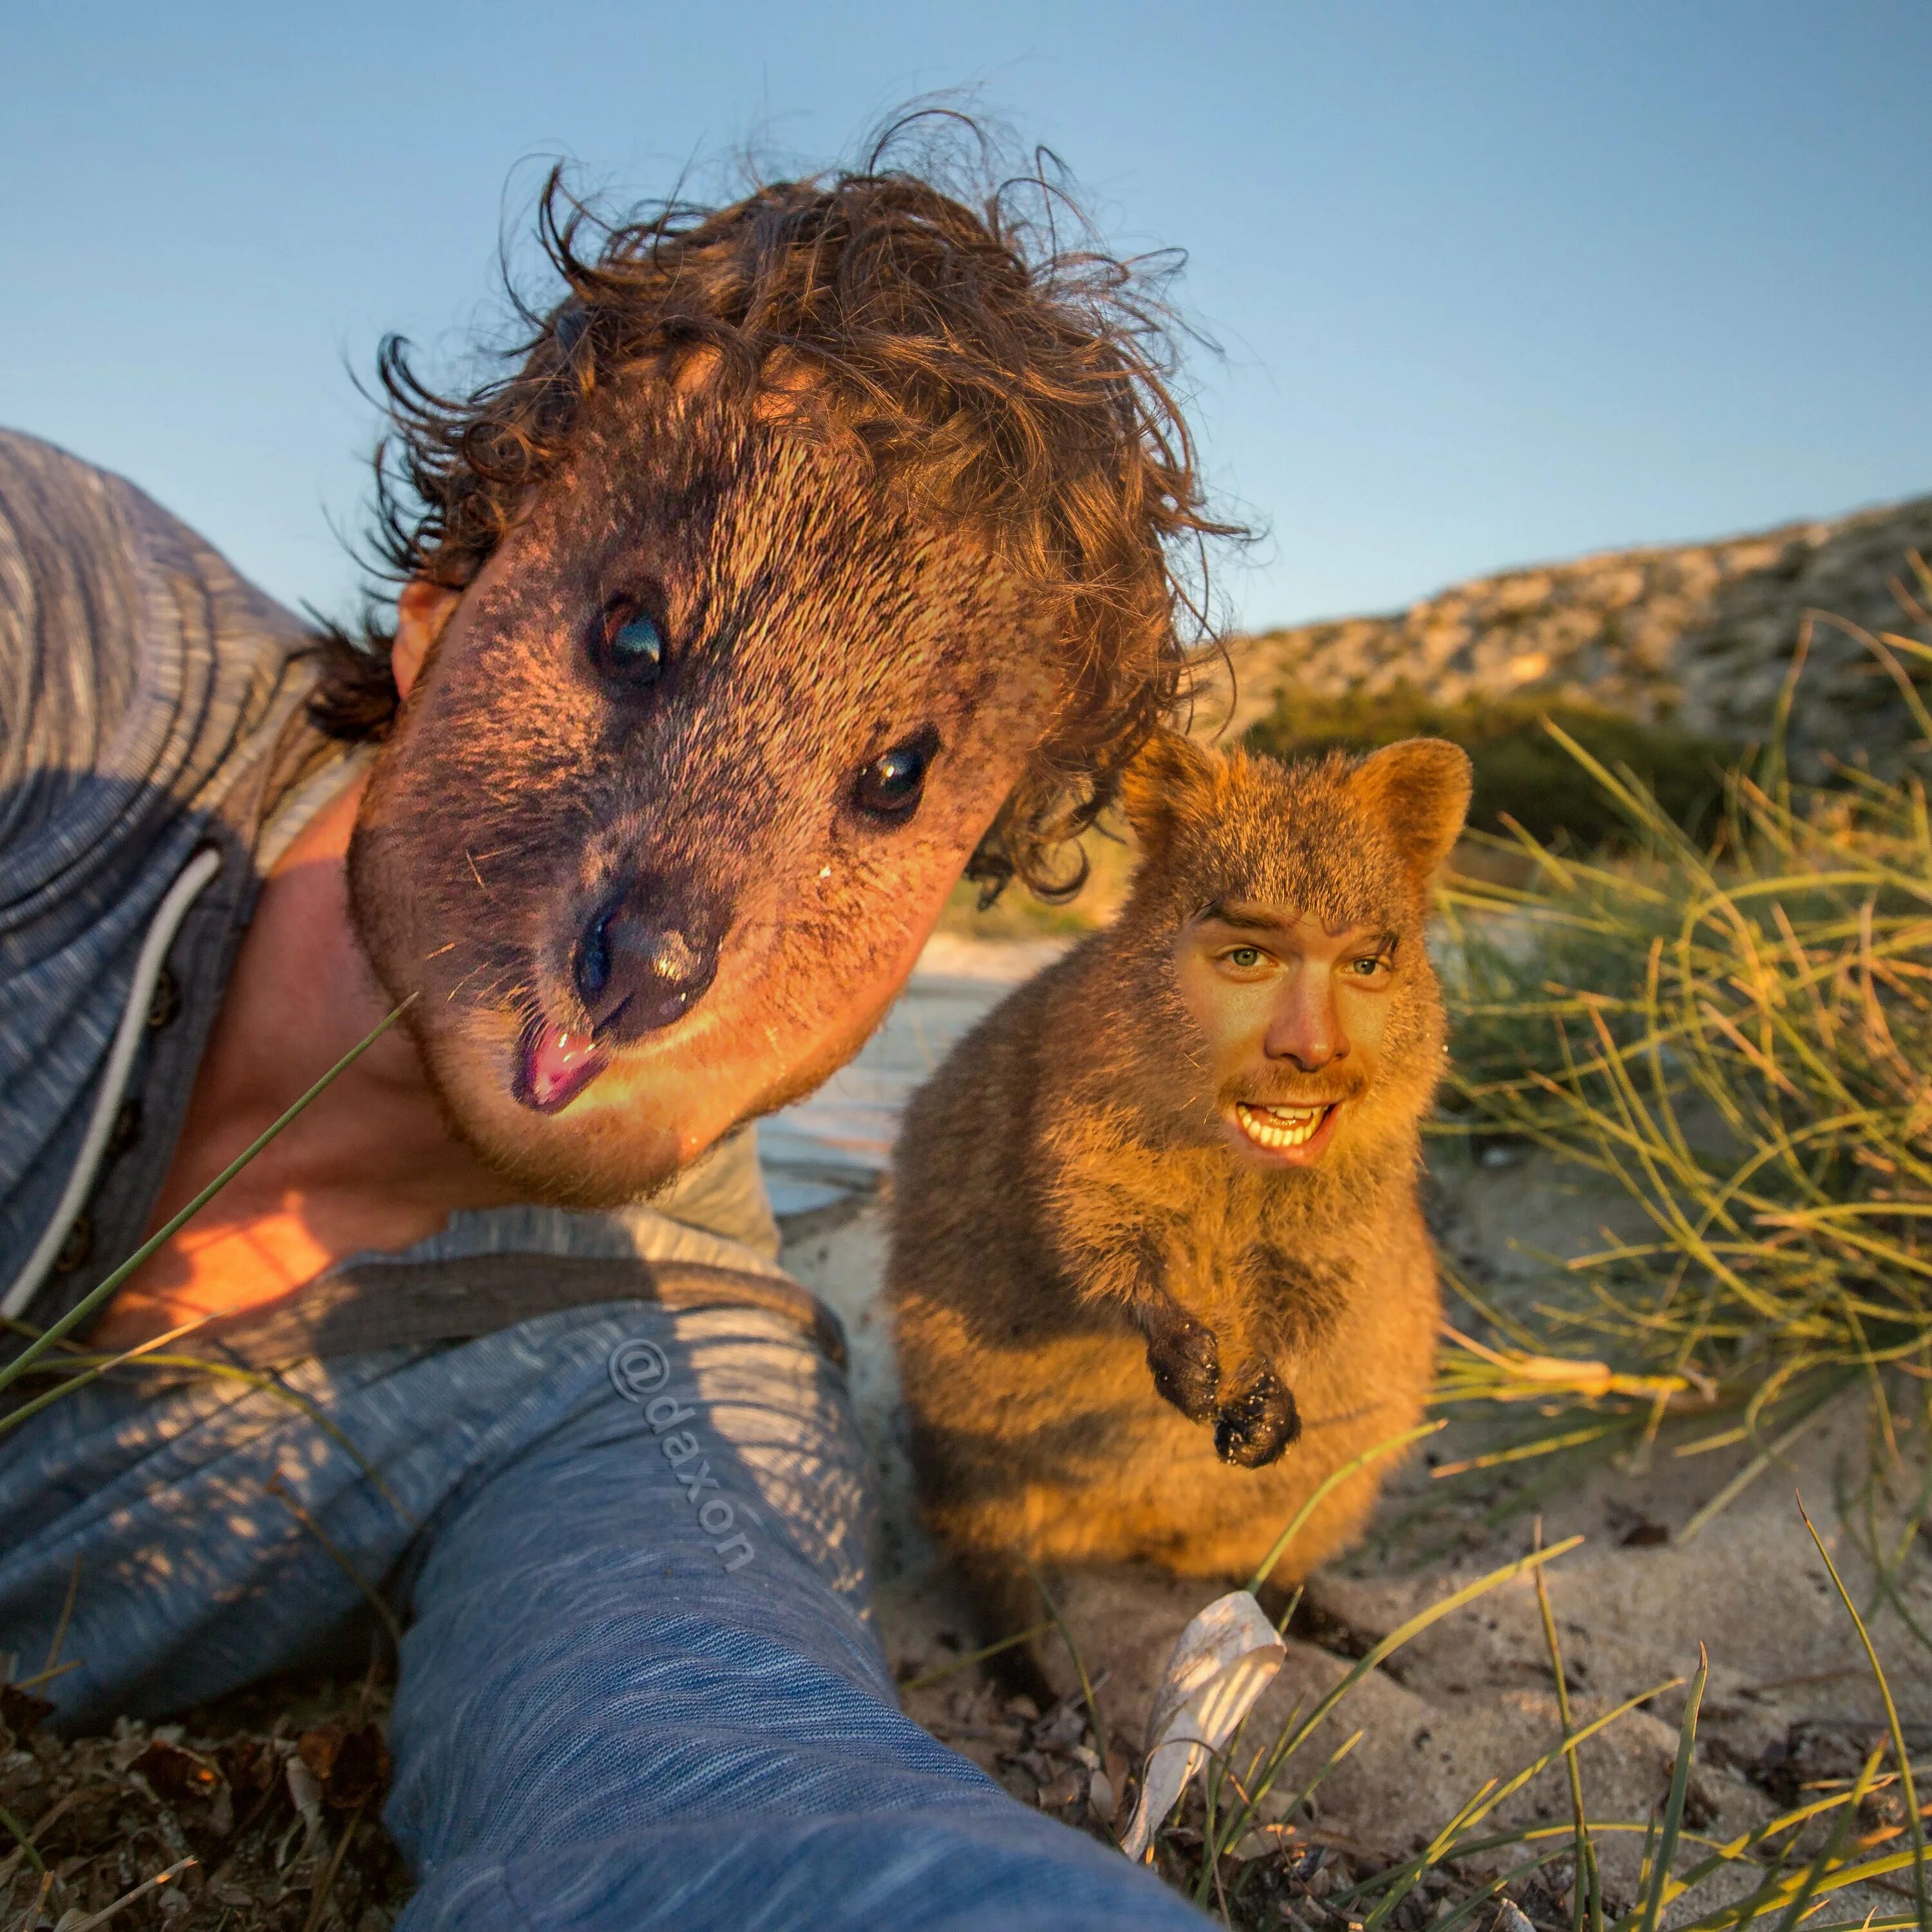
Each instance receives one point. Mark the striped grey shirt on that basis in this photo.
(152, 703)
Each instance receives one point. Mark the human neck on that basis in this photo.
(371, 1163)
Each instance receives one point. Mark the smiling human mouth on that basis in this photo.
(1281, 1130)
(554, 1066)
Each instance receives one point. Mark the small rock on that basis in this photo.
(1063, 1730)
(1258, 1843)
(20, 1710)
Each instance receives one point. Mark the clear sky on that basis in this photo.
(1494, 280)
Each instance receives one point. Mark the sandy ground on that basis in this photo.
(1790, 1702)
(278, 1792)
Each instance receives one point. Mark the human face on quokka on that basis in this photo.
(1285, 912)
(681, 782)
(1294, 1016)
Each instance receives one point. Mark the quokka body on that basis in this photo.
(1152, 1288)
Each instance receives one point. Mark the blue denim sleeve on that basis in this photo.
(641, 1688)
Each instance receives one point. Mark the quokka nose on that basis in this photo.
(644, 960)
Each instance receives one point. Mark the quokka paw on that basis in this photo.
(1185, 1359)
(1252, 1428)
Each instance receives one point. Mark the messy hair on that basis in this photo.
(962, 343)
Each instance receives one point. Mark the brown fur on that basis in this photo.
(812, 623)
(1072, 1227)
(888, 473)
(936, 324)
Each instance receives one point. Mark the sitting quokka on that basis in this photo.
(1158, 1264)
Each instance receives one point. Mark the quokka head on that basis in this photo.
(806, 550)
(686, 775)
(1273, 949)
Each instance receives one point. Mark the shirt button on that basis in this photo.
(127, 1129)
(78, 1247)
(167, 1002)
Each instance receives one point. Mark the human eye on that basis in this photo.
(1244, 959)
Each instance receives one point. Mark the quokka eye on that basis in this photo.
(890, 786)
(627, 644)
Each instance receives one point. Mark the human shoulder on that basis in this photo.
(119, 625)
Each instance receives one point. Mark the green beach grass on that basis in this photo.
(1729, 1019)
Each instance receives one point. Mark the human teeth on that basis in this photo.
(1279, 1126)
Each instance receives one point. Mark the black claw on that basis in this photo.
(1252, 1428)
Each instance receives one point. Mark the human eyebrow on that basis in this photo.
(1222, 914)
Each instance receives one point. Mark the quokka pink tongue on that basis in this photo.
(556, 1066)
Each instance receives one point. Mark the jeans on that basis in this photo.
(639, 1685)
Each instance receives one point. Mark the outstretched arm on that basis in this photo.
(641, 1690)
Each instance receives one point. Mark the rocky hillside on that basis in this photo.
(1698, 635)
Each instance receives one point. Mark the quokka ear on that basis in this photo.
(1419, 788)
(1171, 780)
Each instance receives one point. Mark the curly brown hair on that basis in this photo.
(957, 339)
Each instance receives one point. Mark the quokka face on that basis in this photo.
(1158, 1264)
(660, 828)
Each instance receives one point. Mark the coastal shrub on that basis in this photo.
(1522, 772)
(1737, 1032)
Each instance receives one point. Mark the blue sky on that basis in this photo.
(1494, 280)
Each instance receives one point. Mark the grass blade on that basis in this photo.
(1422, 1621)
(97, 1298)
(1586, 1885)
(1073, 1650)
(86, 1371)
(1660, 1888)
(1279, 1547)
(1904, 1757)
(926, 1679)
